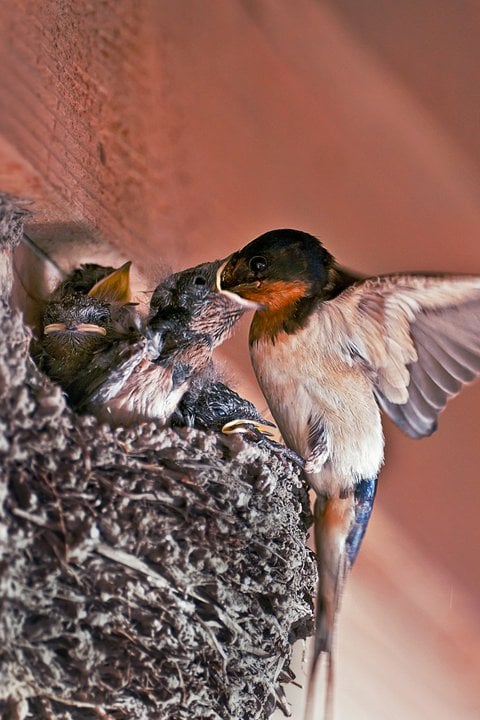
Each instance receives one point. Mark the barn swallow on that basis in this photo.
(330, 351)
(85, 313)
(146, 379)
(188, 303)
(211, 405)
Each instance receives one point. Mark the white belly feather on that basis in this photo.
(307, 376)
(147, 395)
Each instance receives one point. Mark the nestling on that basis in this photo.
(211, 405)
(88, 311)
(145, 378)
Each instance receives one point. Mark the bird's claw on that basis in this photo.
(255, 431)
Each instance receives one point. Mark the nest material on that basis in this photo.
(145, 573)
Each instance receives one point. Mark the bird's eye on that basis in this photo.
(199, 280)
(218, 409)
(258, 264)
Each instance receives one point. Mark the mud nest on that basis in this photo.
(144, 573)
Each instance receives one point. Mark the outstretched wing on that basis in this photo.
(420, 337)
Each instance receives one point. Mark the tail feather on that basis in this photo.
(339, 526)
(323, 656)
(313, 678)
(332, 519)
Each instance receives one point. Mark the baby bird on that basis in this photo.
(146, 379)
(212, 405)
(90, 309)
(330, 351)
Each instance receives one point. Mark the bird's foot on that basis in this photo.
(256, 433)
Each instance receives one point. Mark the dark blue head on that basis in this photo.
(278, 268)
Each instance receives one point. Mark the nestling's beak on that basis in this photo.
(115, 288)
(243, 425)
(233, 292)
(81, 327)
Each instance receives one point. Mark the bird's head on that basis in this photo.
(188, 303)
(82, 305)
(277, 269)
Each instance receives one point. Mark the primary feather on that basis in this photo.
(419, 336)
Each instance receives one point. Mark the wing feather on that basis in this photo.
(420, 337)
(449, 372)
(438, 368)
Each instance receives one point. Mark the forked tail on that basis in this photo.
(331, 517)
(339, 526)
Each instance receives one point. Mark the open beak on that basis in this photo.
(243, 302)
(243, 425)
(115, 288)
(82, 327)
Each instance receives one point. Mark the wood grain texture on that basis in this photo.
(76, 102)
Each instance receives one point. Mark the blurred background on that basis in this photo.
(172, 133)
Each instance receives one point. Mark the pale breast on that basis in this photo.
(147, 394)
(318, 394)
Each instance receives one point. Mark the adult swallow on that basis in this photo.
(330, 351)
(146, 379)
(89, 310)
